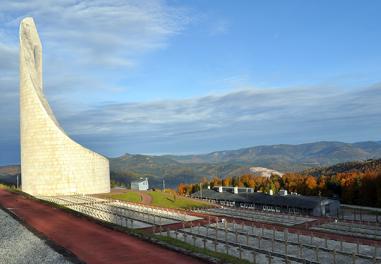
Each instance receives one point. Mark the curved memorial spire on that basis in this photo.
(51, 162)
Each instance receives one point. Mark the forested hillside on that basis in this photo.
(357, 183)
(230, 163)
(353, 166)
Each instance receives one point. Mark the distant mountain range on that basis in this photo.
(191, 168)
(291, 157)
(351, 166)
(8, 174)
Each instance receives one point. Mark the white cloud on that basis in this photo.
(232, 120)
(8, 59)
(84, 43)
(101, 31)
(253, 110)
(219, 27)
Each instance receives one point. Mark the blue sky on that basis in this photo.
(198, 76)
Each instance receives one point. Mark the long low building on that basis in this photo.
(298, 204)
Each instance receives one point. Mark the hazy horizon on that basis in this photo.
(221, 150)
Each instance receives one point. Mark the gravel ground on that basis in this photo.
(19, 245)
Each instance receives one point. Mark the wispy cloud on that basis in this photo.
(101, 29)
(219, 27)
(8, 59)
(249, 116)
(89, 41)
(86, 46)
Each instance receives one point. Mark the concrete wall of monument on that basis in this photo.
(52, 163)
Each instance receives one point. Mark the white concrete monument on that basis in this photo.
(51, 162)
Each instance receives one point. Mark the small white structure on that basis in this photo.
(233, 189)
(140, 185)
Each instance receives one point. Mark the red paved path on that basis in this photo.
(146, 198)
(89, 241)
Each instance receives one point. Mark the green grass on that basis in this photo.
(10, 188)
(168, 200)
(128, 196)
(161, 199)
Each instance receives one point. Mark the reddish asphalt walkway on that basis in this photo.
(146, 198)
(89, 241)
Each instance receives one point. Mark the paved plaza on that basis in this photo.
(259, 216)
(262, 245)
(360, 213)
(371, 231)
(120, 213)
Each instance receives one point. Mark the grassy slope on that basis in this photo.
(161, 199)
(167, 200)
(128, 196)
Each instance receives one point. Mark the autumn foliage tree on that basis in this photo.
(182, 189)
(311, 185)
(360, 188)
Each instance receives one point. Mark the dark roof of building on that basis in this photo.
(214, 195)
(139, 181)
(296, 201)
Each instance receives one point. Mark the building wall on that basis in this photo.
(334, 208)
(328, 207)
(135, 185)
(51, 162)
(141, 185)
